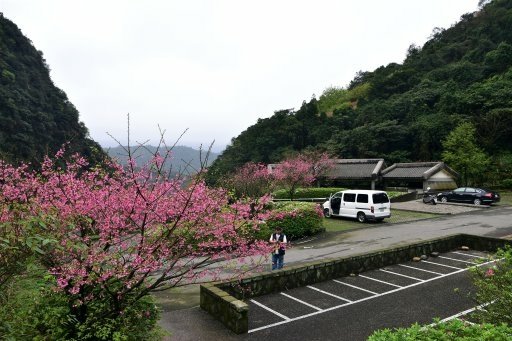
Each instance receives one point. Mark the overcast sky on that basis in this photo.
(214, 67)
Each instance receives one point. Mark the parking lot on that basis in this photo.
(353, 307)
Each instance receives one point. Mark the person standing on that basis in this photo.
(278, 238)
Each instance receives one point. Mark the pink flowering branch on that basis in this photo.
(252, 180)
(301, 171)
(124, 232)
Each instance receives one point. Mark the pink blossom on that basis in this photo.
(117, 229)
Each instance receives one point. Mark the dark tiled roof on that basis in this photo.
(415, 170)
(362, 169)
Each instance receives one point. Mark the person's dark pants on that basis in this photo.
(277, 261)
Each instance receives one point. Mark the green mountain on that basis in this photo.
(36, 117)
(402, 112)
(181, 159)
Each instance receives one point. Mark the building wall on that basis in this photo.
(440, 181)
(442, 174)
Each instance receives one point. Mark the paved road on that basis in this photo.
(495, 221)
(195, 324)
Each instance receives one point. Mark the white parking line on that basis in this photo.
(467, 322)
(378, 280)
(458, 260)
(446, 266)
(396, 273)
(300, 301)
(469, 255)
(328, 293)
(353, 286)
(286, 318)
(462, 313)
(415, 268)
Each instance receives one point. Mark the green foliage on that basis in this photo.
(297, 219)
(35, 311)
(448, 331)
(36, 117)
(500, 59)
(334, 98)
(506, 183)
(464, 155)
(19, 242)
(494, 284)
(307, 193)
(402, 112)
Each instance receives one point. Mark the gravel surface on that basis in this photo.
(447, 208)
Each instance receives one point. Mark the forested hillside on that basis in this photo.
(403, 112)
(36, 117)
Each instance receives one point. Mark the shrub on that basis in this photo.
(394, 194)
(307, 193)
(494, 284)
(34, 310)
(507, 183)
(297, 219)
(452, 330)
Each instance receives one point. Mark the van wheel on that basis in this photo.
(361, 217)
(327, 214)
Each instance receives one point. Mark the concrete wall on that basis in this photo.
(224, 300)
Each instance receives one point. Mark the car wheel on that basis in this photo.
(361, 217)
(477, 201)
(444, 199)
(327, 214)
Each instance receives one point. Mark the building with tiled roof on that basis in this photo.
(420, 175)
(370, 173)
(361, 170)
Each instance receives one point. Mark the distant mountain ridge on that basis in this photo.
(182, 158)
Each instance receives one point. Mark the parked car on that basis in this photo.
(360, 204)
(473, 195)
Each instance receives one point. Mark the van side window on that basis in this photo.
(380, 198)
(349, 197)
(362, 198)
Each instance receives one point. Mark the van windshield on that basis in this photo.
(380, 198)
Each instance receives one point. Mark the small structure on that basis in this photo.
(421, 175)
(356, 170)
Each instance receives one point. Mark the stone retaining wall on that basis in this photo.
(224, 300)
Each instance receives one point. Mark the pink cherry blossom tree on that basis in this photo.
(301, 171)
(252, 180)
(124, 232)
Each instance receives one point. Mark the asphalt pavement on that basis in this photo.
(195, 324)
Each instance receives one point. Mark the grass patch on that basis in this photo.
(397, 216)
(506, 198)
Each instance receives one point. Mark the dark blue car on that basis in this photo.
(471, 195)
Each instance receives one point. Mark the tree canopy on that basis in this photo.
(402, 112)
(36, 117)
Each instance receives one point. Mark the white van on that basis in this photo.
(361, 204)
